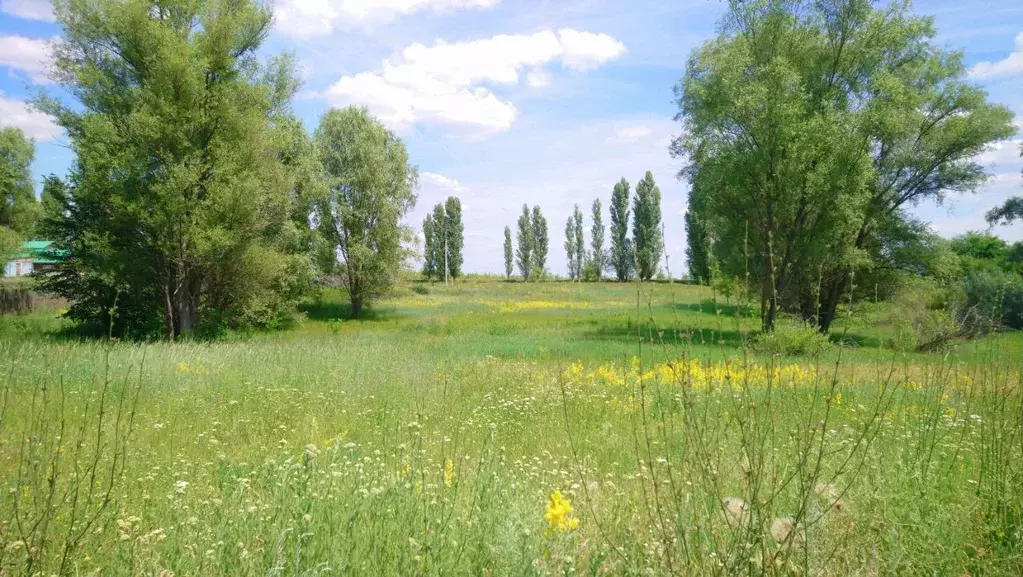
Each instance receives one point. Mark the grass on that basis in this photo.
(508, 428)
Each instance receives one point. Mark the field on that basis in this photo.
(492, 428)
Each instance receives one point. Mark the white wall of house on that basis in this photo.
(18, 268)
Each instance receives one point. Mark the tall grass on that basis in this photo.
(503, 428)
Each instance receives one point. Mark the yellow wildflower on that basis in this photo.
(449, 472)
(559, 514)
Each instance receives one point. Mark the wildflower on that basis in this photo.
(449, 472)
(180, 487)
(559, 514)
(784, 528)
(311, 451)
(735, 511)
(837, 399)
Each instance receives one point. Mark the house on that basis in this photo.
(35, 255)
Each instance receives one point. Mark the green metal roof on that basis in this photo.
(41, 251)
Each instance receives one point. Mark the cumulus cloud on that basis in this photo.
(1000, 154)
(629, 134)
(444, 83)
(441, 181)
(1011, 65)
(28, 9)
(28, 55)
(307, 18)
(36, 125)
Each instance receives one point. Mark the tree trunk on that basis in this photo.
(829, 304)
(356, 307)
(168, 313)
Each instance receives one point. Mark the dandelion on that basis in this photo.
(559, 514)
(784, 528)
(735, 511)
(449, 472)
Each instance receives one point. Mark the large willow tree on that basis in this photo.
(809, 126)
(187, 203)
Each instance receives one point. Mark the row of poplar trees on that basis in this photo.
(627, 258)
(197, 201)
(809, 129)
(443, 238)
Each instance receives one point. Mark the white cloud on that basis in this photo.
(538, 78)
(28, 9)
(1000, 154)
(306, 18)
(19, 114)
(629, 134)
(29, 55)
(443, 83)
(441, 181)
(1012, 65)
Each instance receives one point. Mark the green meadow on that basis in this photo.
(495, 428)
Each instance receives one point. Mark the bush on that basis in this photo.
(996, 295)
(800, 340)
(420, 289)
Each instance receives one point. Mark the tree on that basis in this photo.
(1005, 214)
(454, 232)
(439, 245)
(580, 242)
(430, 266)
(697, 241)
(508, 256)
(621, 247)
(808, 125)
(646, 227)
(371, 187)
(188, 202)
(598, 258)
(524, 253)
(570, 248)
(540, 243)
(1011, 210)
(18, 207)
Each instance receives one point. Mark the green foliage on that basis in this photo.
(570, 248)
(580, 241)
(646, 227)
(621, 247)
(1008, 212)
(371, 186)
(540, 242)
(524, 251)
(509, 257)
(454, 231)
(697, 240)
(188, 204)
(19, 210)
(821, 144)
(597, 262)
(802, 339)
(430, 265)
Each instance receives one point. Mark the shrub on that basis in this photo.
(800, 340)
(420, 289)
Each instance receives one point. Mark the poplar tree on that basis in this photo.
(429, 262)
(540, 243)
(646, 227)
(597, 256)
(570, 247)
(509, 258)
(454, 232)
(524, 252)
(580, 241)
(621, 248)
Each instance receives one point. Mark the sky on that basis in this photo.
(542, 102)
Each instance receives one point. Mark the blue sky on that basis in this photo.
(548, 102)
